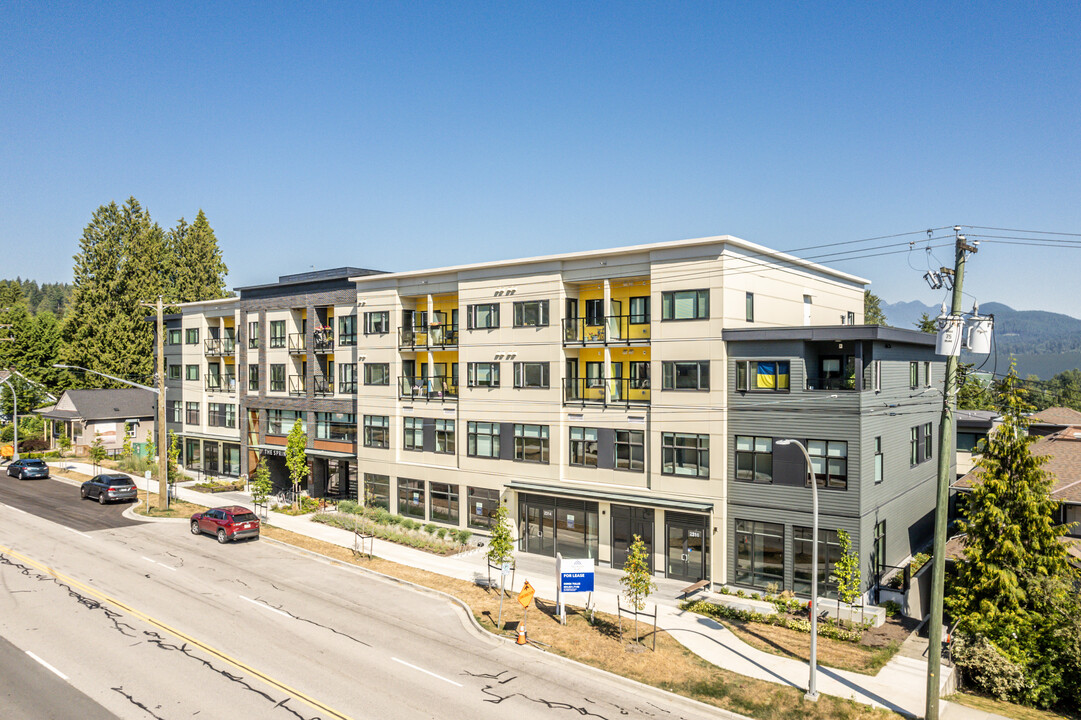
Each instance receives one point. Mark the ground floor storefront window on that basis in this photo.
(829, 552)
(192, 455)
(482, 504)
(760, 554)
(377, 490)
(550, 525)
(411, 498)
(443, 500)
(230, 460)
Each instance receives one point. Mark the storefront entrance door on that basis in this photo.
(539, 533)
(627, 522)
(688, 546)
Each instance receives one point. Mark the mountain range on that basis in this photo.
(1041, 343)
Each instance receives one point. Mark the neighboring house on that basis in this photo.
(112, 415)
(1053, 420)
(973, 427)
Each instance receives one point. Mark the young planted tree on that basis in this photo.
(261, 485)
(500, 550)
(846, 573)
(173, 457)
(97, 451)
(65, 444)
(637, 580)
(295, 458)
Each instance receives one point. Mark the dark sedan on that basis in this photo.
(109, 488)
(27, 469)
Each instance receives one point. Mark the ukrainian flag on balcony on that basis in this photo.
(772, 376)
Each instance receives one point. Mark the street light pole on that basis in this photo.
(14, 415)
(812, 690)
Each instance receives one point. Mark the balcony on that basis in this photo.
(433, 336)
(297, 385)
(217, 347)
(609, 330)
(221, 383)
(605, 391)
(440, 389)
(298, 343)
(831, 383)
(322, 385)
(323, 340)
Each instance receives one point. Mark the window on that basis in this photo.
(1072, 514)
(277, 378)
(880, 550)
(584, 446)
(532, 313)
(377, 323)
(928, 441)
(191, 413)
(851, 317)
(191, 372)
(376, 431)
(876, 375)
(347, 378)
(754, 459)
(594, 312)
(174, 337)
(969, 442)
(336, 426)
(443, 503)
(176, 411)
(277, 333)
(914, 374)
(481, 317)
(482, 505)
(914, 446)
(685, 454)
(755, 375)
(879, 461)
(750, 307)
(280, 422)
(829, 459)
(483, 374)
(630, 450)
(531, 443)
(482, 439)
(174, 372)
(253, 334)
(639, 374)
(685, 305)
(927, 374)
(413, 437)
(759, 553)
(191, 336)
(685, 375)
(376, 373)
(377, 490)
(411, 498)
(594, 374)
(221, 415)
(639, 311)
(530, 374)
(444, 436)
(191, 453)
(829, 552)
(253, 378)
(347, 330)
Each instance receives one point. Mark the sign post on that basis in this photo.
(524, 598)
(574, 576)
(504, 571)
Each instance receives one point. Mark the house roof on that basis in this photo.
(1057, 416)
(1063, 450)
(976, 419)
(104, 404)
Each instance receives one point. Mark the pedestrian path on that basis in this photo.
(899, 686)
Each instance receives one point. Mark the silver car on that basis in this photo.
(109, 488)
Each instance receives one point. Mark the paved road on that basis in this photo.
(30, 690)
(149, 621)
(60, 502)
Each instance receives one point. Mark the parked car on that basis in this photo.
(107, 488)
(226, 523)
(24, 469)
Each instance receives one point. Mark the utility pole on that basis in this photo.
(163, 437)
(945, 450)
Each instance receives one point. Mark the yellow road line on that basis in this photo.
(176, 633)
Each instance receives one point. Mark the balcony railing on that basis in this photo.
(219, 346)
(605, 391)
(428, 388)
(221, 383)
(297, 385)
(430, 336)
(609, 330)
(831, 383)
(323, 341)
(322, 385)
(297, 343)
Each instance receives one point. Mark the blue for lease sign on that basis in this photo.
(576, 582)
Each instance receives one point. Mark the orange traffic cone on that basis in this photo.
(521, 636)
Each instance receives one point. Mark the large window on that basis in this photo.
(277, 333)
(347, 378)
(253, 378)
(176, 411)
(639, 310)
(482, 439)
(191, 413)
(377, 431)
(443, 503)
(631, 450)
(482, 317)
(531, 443)
(413, 433)
(584, 446)
(191, 336)
(253, 334)
(685, 454)
(230, 459)
(347, 330)
(762, 375)
(174, 372)
(829, 552)
(376, 373)
(280, 422)
(531, 375)
(754, 459)
(191, 372)
(277, 378)
(639, 374)
(830, 462)
(336, 426)
(760, 554)
(594, 312)
(685, 305)
(377, 490)
(532, 313)
(192, 455)
(221, 415)
(482, 506)
(411, 498)
(685, 375)
(174, 337)
(444, 436)
(483, 374)
(377, 323)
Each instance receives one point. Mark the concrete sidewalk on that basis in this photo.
(899, 686)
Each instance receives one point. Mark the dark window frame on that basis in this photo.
(377, 431)
(541, 312)
(474, 432)
(669, 299)
(671, 374)
(670, 448)
(580, 455)
(527, 446)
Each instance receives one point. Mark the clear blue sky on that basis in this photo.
(410, 135)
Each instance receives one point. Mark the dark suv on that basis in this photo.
(226, 523)
(107, 488)
(24, 469)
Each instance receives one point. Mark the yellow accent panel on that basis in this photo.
(445, 356)
(589, 355)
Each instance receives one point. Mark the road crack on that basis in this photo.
(312, 622)
(137, 704)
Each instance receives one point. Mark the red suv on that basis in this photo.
(227, 523)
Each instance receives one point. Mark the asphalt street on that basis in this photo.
(60, 502)
(149, 621)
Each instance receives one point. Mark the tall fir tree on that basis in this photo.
(872, 309)
(197, 270)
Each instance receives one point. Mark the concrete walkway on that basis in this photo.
(899, 686)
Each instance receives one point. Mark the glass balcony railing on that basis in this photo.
(219, 346)
(297, 386)
(605, 391)
(609, 330)
(322, 385)
(430, 336)
(297, 343)
(831, 383)
(428, 388)
(323, 341)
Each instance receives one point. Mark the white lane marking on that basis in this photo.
(47, 665)
(18, 510)
(265, 606)
(88, 537)
(167, 567)
(426, 672)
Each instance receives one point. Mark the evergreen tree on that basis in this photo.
(872, 309)
(927, 324)
(197, 271)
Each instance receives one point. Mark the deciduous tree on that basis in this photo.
(637, 580)
(296, 460)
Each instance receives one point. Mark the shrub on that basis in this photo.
(891, 607)
(464, 535)
(348, 506)
(988, 669)
(724, 612)
(441, 532)
(429, 528)
(740, 593)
